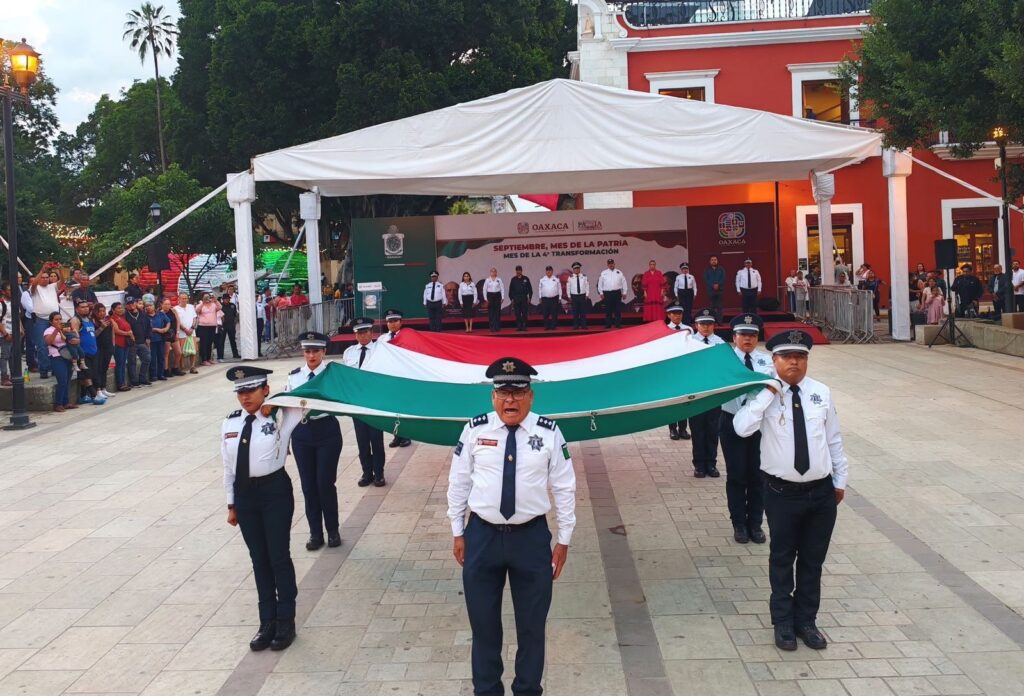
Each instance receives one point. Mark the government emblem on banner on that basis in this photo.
(394, 243)
(732, 226)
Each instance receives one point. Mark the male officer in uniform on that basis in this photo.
(550, 289)
(369, 439)
(434, 300)
(579, 288)
(748, 285)
(611, 286)
(502, 468)
(316, 444)
(393, 318)
(805, 473)
(705, 425)
(677, 431)
(743, 487)
(260, 500)
(520, 292)
(685, 290)
(494, 293)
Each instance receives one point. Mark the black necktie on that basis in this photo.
(362, 355)
(706, 340)
(242, 460)
(508, 475)
(750, 283)
(393, 334)
(748, 362)
(686, 283)
(311, 376)
(678, 328)
(578, 291)
(801, 459)
(433, 289)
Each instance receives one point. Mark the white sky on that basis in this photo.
(80, 41)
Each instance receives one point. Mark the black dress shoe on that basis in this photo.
(393, 443)
(812, 637)
(684, 434)
(314, 543)
(404, 442)
(263, 637)
(673, 434)
(785, 639)
(713, 472)
(365, 481)
(699, 474)
(757, 535)
(380, 482)
(739, 533)
(334, 540)
(285, 634)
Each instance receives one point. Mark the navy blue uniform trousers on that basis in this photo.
(744, 490)
(524, 555)
(704, 433)
(371, 448)
(316, 445)
(264, 509)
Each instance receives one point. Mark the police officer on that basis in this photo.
(579, 289)
(550, 290)
(254, 446)
(316, 444)
(502, 468)
(705, 425)
(677, 431)
(748, 285)
(494, 292)
(743, 488)
(805, 473)
(520, 292)
(434, 300)
(685, 290)
(369, 439)
(394, 317)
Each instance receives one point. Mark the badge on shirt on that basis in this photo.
(269, 428)
(565, 451)
(487, 443)
(458, 448)
(228, 436)
(536, 442)
(816, 399)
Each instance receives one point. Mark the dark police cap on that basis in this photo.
(393, 314)
(746, 323)
(705, 315)
(312, 339)
(794, 341)
(247, 377)
(672, 309)
(361, 324)
(684, 266)
(510, 372)
(577, 264)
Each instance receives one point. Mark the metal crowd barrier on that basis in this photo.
(843, 314)
(289, 323)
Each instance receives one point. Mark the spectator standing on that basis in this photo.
(841, 268)
(53, 339)
(138, 348)
(997, 288)
(791, 291)
(1018, 286)
(159, 324)
(932, 302)
(872, 283)
(206, 327)
(83, 293)
(800, 286)
(83, 327)
(261, 322)
(44, 303)
(133, 289)
(27, 323)
(186, 317)
(298, 298)
(714, 281)
(171, 357)
(230, 322)
(6, 338)
(100, 364)
(968, 291)
(269, 312)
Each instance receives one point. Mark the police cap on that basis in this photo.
(746, 323)
(247, 377)
(510, 372)
(312, 339)
(794, 341)
(705, 315)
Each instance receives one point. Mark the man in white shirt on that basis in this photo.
(1018, 286)
(611, 287)
(704, 426)
(393, 319)
(685, 290)
(502, 469)
(261, 322)
(494, 293)
(369, 439)
(677, 430)
(805, 471)
(434, 299)
(748, 285)
(549, 287)
(6, 335)
(791, 290)
(579, 288)
(44, 303)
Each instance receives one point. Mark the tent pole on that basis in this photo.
(824, 188)
(309, 211)
(241, 194)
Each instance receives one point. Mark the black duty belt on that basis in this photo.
(785, 485)
(257, 481)
(507, 527)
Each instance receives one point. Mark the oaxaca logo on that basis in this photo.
(732, 228)
(394, 243)
(523, 228)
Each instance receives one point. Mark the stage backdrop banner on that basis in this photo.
(631, 236)
(400, 253)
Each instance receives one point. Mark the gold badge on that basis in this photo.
(508, 366)
(239, 374)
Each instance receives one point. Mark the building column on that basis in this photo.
(241, 194)
(823, 186)
(896, 167)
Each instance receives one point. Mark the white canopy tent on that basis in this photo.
(554, 136)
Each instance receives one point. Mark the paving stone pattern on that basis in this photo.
(118, 573)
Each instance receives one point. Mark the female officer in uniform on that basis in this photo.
(260, 500)
(317, 447)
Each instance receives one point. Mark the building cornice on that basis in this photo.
(767, 37)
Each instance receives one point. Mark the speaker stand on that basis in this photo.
(948, 330)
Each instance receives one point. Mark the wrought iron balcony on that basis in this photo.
(656, 13)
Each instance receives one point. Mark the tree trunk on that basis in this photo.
(159, 116)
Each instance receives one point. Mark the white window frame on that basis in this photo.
(684, 79)
(951, 204)
(856, 230)
(815, 72)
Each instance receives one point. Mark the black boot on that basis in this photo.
(757, 535)
(811, 636)
(334, 539)
(264, 637)
(366, 480)
(285, 634)
(673, 432)
(785, 639)
(314, 543)
(739, 533)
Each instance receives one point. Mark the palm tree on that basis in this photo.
(152, 31)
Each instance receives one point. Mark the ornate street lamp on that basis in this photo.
(22, 64)
(154, 216)
(1001, 137)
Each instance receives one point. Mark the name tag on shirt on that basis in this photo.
(228, 436)
(487, 443)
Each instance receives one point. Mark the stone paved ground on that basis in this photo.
(119, 575)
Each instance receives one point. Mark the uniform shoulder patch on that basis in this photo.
(235, 414)
(479, 420)
(546, 423)
(458, 448)
(296, 371)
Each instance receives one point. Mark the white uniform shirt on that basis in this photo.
(27, 306)
(679, 327)
(435, 290)
(1018, 280)
(578, 284)
(467, 289)
(686, 281)
(542, 462)
(612, 279)
(351, 355)
(712, 340)
(549, 286)
(386, 337)
(772, 414)
(762, 363)
(494, 285)
(267, 450)
(748, 278)
(300, 375)
(261, 308)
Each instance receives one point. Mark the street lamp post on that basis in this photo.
(23, 67)
(154, 216)
(1000, 135)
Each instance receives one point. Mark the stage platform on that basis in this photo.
(775, 322)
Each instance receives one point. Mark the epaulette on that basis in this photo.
(479, 420)
(235, 414)
(546, 423)
(296, 371)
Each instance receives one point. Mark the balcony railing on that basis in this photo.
(655, 13)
